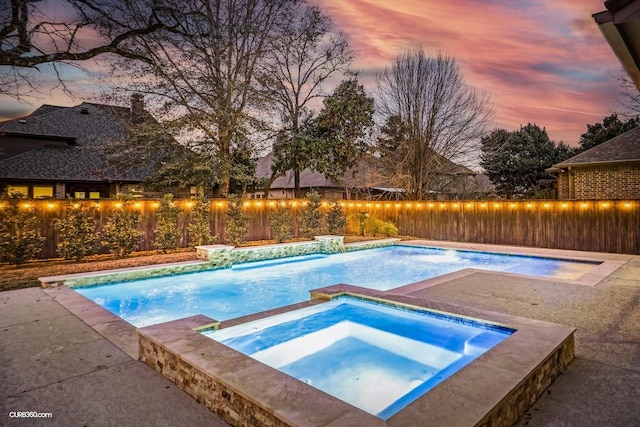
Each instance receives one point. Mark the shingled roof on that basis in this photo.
(88, 127)
(622, 148)
(364, 175)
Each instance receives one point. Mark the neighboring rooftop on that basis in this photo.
(622, 148)
(85, 129)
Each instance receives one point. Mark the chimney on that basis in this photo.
(137, 108)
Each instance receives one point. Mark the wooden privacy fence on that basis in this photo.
(590, 225)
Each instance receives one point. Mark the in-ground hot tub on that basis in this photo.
(396, 357)
(375, 356)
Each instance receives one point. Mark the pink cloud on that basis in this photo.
(543, 61)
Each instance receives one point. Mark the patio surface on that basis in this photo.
(52, 361)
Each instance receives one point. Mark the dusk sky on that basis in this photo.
(542, 61)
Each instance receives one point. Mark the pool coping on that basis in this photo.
(518, 369)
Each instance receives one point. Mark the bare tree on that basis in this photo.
(433, 119)
(629, 96)
(304, 57)
(36, 32)
(204, 74)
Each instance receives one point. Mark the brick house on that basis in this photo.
(56, 152)
(610, 170)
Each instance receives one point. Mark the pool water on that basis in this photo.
(253, 287)
(373, 356)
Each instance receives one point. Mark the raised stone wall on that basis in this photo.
(518, 402)
(213, 257)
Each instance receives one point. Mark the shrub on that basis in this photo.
(360, 220)
(336, 219)
(280, 222)
(312, 218)
(368, 225)
(77, 235)
(236, 227)
(121, 234)
(377, 227)
(20, 238)
(199, 228)
(166, 230)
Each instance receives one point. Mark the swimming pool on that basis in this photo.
(374, 356)
(257, 286)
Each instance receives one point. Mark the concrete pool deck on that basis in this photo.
(51, 361)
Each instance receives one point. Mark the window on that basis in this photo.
(79, 195)
(22, 189)
(94, 194)
(42, 192)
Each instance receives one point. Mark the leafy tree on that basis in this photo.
(29, 38)
(304, 57)
(199, 227)
(20, 238)
(340, 131)
(311, 217)
(610, 127)
(280, 222)
(121, 234)
(77, 232)
(166, 230)
(336, 219)
(516, 161)
(432, 118)
(236, 226)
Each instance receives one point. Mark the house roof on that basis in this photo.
(308, 178)
(620, 26)
(364, 175)
(90, 126)
(622, 148)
